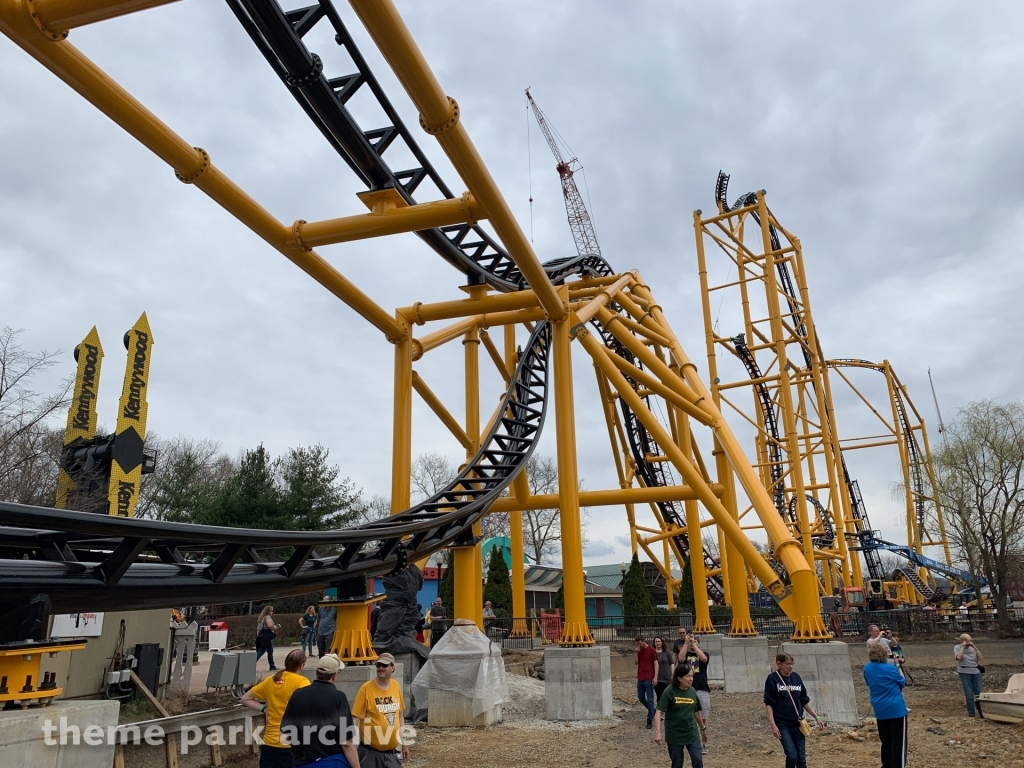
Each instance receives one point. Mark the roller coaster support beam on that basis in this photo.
(191, 165)
(59, 16)
(735, 571)
(691, 475)
(390, 221)
(806, 609)
(520, 488)
(575, 630)
(609, 497)
(440, 411)
(401, 446)
(785, 386)
(701, 613)
(471, 345)
(439, 116)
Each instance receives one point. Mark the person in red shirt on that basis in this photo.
(646, 676)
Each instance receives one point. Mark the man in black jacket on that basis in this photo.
(318, 724)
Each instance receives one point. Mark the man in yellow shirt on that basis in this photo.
(378, 711)
(272, 696)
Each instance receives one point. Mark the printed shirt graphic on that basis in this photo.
(378, 712)
(277, 694)
(700, 671)
(679, 706)
(777, 691)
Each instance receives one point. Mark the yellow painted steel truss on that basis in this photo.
(619, 310)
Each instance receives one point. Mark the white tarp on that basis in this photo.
(466, 662)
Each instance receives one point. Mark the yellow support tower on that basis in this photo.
(132, 410)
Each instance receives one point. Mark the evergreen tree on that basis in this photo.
(250, 498)
(687, 602)
(499, 584)
(312, 496)
(446, 590)
(559, 601)
(636, 600)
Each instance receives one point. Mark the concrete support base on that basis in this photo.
(825, 670)
(745, 662)
(22, 736)
(450, 709)
(352, 677)
(410, 664)
(578, 683)
(712, 645)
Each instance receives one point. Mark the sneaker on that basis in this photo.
(650, 725)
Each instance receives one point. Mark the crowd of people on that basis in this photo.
(672, 685)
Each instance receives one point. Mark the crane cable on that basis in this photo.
(529, 162)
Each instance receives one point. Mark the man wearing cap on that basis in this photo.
(318, 725)
(378, 709)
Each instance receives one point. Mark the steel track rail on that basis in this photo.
(101, 561)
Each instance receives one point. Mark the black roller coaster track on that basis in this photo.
(84, 561)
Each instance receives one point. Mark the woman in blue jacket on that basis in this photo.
(885, 682)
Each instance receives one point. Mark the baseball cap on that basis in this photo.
(330, 664)
(385, 658)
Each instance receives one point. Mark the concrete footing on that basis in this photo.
(85, 725)
(825, 670)
(745, 663)
(712, 646)
(451, 709)
(578, 683)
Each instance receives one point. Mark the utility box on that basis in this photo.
(148, 659)
(223, 670)
(245, 671)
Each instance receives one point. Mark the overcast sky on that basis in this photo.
(886, 135)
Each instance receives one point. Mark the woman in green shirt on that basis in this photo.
(685, 731)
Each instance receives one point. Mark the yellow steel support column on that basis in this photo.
(701, 614)
(735, 572)
(575, 629)
(471, 345)
(401, 449)
(515, 520)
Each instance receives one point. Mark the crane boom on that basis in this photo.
(580, 225)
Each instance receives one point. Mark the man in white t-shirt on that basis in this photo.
(877, 637)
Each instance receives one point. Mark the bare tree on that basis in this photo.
(431, 472)
(980, 482)
(29, 445)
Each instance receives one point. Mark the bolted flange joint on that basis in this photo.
(307, 79)
(49, 34)
(453, 118)
(204, 163)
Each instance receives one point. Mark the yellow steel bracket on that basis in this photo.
(204, 163)
(19, 673)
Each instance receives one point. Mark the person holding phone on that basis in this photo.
(968, 666)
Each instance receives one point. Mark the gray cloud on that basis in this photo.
(890, 147)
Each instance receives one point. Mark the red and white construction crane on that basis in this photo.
(579, 220)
